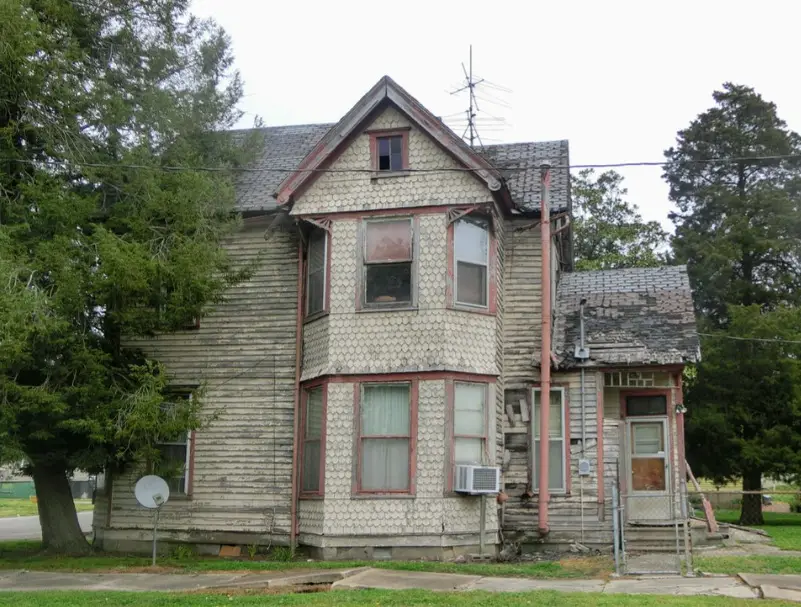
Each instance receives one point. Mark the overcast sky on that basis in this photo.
(616, 78)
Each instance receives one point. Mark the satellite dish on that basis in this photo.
(152, 491)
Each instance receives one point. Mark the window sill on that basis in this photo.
(180, 498)
(388, 308)
(472, 309)
(311, 497)
(383, 496)
(315, 316)
(390, 174)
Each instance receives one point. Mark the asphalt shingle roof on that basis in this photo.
(633, 316)
(286, 146)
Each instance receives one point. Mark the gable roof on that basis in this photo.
(383, 92)
(514, 166)
(636, 316)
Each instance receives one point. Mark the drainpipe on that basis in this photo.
(293, 515)
(545, 356)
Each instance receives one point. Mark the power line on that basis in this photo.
(760, 339)
(607, 165)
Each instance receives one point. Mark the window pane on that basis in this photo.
(646, 405)
(385, 464)
(648, 438)
(383, 146)
(396, 162)
(468, 450)
(385, 410)
(172, 466)
(310, 474)
(471, 241)
(469, 408)
(471, 284)
(556, 418)
(396, 144)
(388, 283)
(314, 414)
(388, 240)
(556, 465)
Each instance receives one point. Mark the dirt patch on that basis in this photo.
(777, 507)
(300, 589)
(590, 566)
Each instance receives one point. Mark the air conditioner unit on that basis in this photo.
(477, 480)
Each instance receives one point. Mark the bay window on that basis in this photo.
(317, 262)
(471, 244)
(388, 257)
(311, 443)
(469, 422)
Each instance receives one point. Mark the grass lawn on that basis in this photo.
(748, 564)
(22, 507)
(784, 528)
(384, 598)
(28, 555)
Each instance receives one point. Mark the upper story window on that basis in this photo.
(390, 150)
(471, 259)
(388, 257)
(317, 263)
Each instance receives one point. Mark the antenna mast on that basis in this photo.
(470, 85)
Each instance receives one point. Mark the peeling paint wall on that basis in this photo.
(244, 352)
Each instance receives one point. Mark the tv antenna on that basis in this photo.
(471, 82)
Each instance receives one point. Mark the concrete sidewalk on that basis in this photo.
(751, 586)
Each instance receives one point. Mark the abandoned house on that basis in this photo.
(378, 380)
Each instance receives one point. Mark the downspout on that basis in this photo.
(293, 515)
(545, 355)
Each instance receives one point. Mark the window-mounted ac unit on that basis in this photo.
(477, 480)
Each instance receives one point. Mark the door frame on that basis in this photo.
(670, 416)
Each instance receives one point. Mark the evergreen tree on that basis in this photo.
(608, 231)
(101, 241)
(738, 228)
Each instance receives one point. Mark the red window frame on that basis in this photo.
(326, 279)
(450, 291)
(375, 135)
(450, 397)
(412, 436)
(303, 440)
(565, 434)
(361, 295)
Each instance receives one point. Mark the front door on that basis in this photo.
(648, 451)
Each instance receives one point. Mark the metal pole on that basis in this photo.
(615, 529)
(155, 530)
(482, 525)
(688, 551)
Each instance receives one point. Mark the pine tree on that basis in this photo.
(738, 228)
(101, 240)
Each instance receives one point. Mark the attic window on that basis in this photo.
(390, 151)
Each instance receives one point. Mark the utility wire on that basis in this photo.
(759, 339)
(608, 165)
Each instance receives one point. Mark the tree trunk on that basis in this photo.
(60, 529)
(751, 512)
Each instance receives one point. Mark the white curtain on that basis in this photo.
(469, 419)
(385, 413)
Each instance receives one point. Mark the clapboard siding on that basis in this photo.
(522, 302)
(244, 354)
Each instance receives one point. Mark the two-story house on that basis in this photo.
(392, 331)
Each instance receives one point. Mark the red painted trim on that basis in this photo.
(293, 508)
(190, 482)
(680, 427)
(492, 272)
(413, 404)
(670, 412)
(412, 376)
(375, 135)
(399, 212)
(303, 414)
(450, 434)
(599, 405)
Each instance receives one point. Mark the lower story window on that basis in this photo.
(173, 463)
(557, 464)
(469, 422)
(385, 437)
(311, 441)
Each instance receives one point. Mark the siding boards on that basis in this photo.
(244, 353)
(522, 302)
